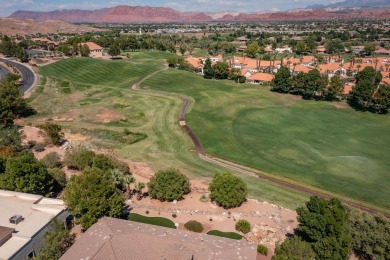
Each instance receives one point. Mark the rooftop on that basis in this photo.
(36, 211)
(119, 239)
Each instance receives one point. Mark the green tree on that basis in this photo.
(182, 49)
(325, 225)
(12, 104)
(59, 176)
(21, 54)
(56, 242)
(228, 190)
(370, 235)
(168, 185)
(252, 49)
(92, 195)
(381, 100)
(208, 72)
(300, 48)
(79, 158)
(114, 50)
(26, 174)
(52, 160)
(11, 137)
(282, 82)
(235, 74)
(362, 95)
(107, 162)
(335, 89)
(334, 46)
(53, 132)
(221, 70)
(369, 48)
(172, 61)
(314, 85)
(294, 249)
(7, 46)
(84, 50)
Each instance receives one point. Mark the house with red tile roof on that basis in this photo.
(197, 63)
(95, 50)
(259, 78)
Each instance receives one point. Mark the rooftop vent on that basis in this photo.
(16, 219)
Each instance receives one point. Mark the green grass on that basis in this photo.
(218, 233)
(158, 221)
(152, 114)
(336, 149)
(120, 73)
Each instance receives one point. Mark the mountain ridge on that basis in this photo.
(147, 14)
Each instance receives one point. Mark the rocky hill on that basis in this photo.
(12, 26)
(119, 14)
(130, 14)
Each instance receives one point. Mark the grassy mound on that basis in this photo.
(158, 221)
(218, 233)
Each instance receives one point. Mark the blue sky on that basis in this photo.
(9, 6)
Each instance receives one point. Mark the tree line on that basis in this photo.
(367, 95)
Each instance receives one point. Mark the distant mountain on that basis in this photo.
(135, 14)
(118, 14)
(355, 3)
(12, 26)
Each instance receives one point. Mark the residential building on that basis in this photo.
(118, 239)
(259, 78)
(24, 220)
(95, 50)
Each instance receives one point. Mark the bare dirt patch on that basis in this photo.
(341, 105)
(107, 116)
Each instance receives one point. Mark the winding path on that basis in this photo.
(234, 166)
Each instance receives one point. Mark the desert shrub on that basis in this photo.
(168, 185)
(174, 215)
(59, 176)
(194, 226)
(53, 132)
(106, 162)
(147, 212)
(39, 147)
(30, 144)
(242, 79)
(204, 198)
(262, 249)
(79, 158)
(52, 160)
(243, 225)
(228, 190)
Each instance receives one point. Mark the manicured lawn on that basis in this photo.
(218, 233)
(78, 109)
(119, 73)
(336, 149)
(158, 221)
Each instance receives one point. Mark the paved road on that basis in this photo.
(27, 74)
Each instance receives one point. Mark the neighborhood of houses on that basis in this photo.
(259, 71)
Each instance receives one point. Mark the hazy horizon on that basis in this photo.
(10, 6)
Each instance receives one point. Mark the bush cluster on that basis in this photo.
(194, 226)
(243, 226)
